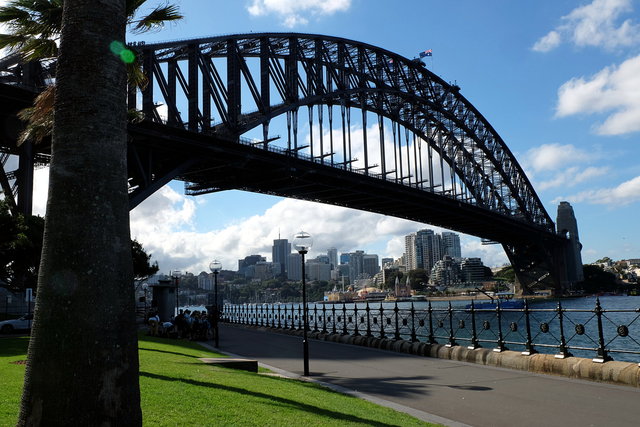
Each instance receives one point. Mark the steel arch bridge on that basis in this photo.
(358, 126)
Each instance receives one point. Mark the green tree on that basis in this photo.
(506, 273)
(597, 280)
(20, 248)
(418, 278)
(82, 366)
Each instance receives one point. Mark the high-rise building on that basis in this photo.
(344, 258)
(318, 270)
(411, 262)
(428, 249)
(356, 265)
(248, 261)
(204, 281)
(294, 266)
(386, 261)
(281, 248)
(445, 272)
(451, 244)
(370, 264)
(472, 270)
(332, 253)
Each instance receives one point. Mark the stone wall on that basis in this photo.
(612, 372)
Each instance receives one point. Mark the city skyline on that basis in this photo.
(553, 81)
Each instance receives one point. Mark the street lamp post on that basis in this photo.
(176, 275)
(215, 266)
(302, 243)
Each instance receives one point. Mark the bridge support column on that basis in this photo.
(25, 179)
(537, 265)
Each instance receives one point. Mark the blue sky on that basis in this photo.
(559, 80)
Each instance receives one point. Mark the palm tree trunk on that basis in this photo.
(82, 366)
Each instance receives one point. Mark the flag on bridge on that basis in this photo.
(428, 52)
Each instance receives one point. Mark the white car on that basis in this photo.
(21, 324)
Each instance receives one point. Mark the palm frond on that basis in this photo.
(132, 6)
(12, 42)
(39, 118)
(156, 19)
(39, 49)
(136, 76)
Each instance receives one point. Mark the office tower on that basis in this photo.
(294, 266)
(332, 253)
(451, 244)
(248, 261)
(428, 249)
(472, 270)
(370, 264)
(281, 248)
(411, 262)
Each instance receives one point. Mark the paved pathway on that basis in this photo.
(450, 392)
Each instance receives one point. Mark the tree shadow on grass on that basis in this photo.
(273, 399)
(13, 346)
(168, 352)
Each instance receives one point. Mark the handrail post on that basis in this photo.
(474, 333)
(432, 339)
(262, 315)
(563, 350)
(381, 321)
(602, 355)
(344, 319)
(529, 350)
(452, 340)
(355, 317)
(333, 317)
(368, 310)
(501, 347)
(315, 317)
(280, 316)
(324, 319)
(414, 338)
(397, 333)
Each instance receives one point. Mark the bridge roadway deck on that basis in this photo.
(457, 393)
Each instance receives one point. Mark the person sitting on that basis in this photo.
(154, 324)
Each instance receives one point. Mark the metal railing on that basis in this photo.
(594, 333)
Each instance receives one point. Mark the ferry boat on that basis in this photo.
(505, 299)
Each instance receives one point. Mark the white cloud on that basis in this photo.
(550, 157)
(491, 255)
(557, 165)
(548, 42)
(295, 12)
(596, 24)
(624, 194)
(572, 176)
(162, 224)
(614, 90)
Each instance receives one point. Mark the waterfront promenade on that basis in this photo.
(451, 392)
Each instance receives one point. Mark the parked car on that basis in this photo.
(21, 324)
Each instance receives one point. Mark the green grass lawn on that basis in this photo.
(177, 389)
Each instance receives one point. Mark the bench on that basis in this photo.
(233, 363)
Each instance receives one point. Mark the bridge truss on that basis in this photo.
(335, 121)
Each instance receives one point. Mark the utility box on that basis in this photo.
(164, 299)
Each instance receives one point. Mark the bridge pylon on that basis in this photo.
(546, 263)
